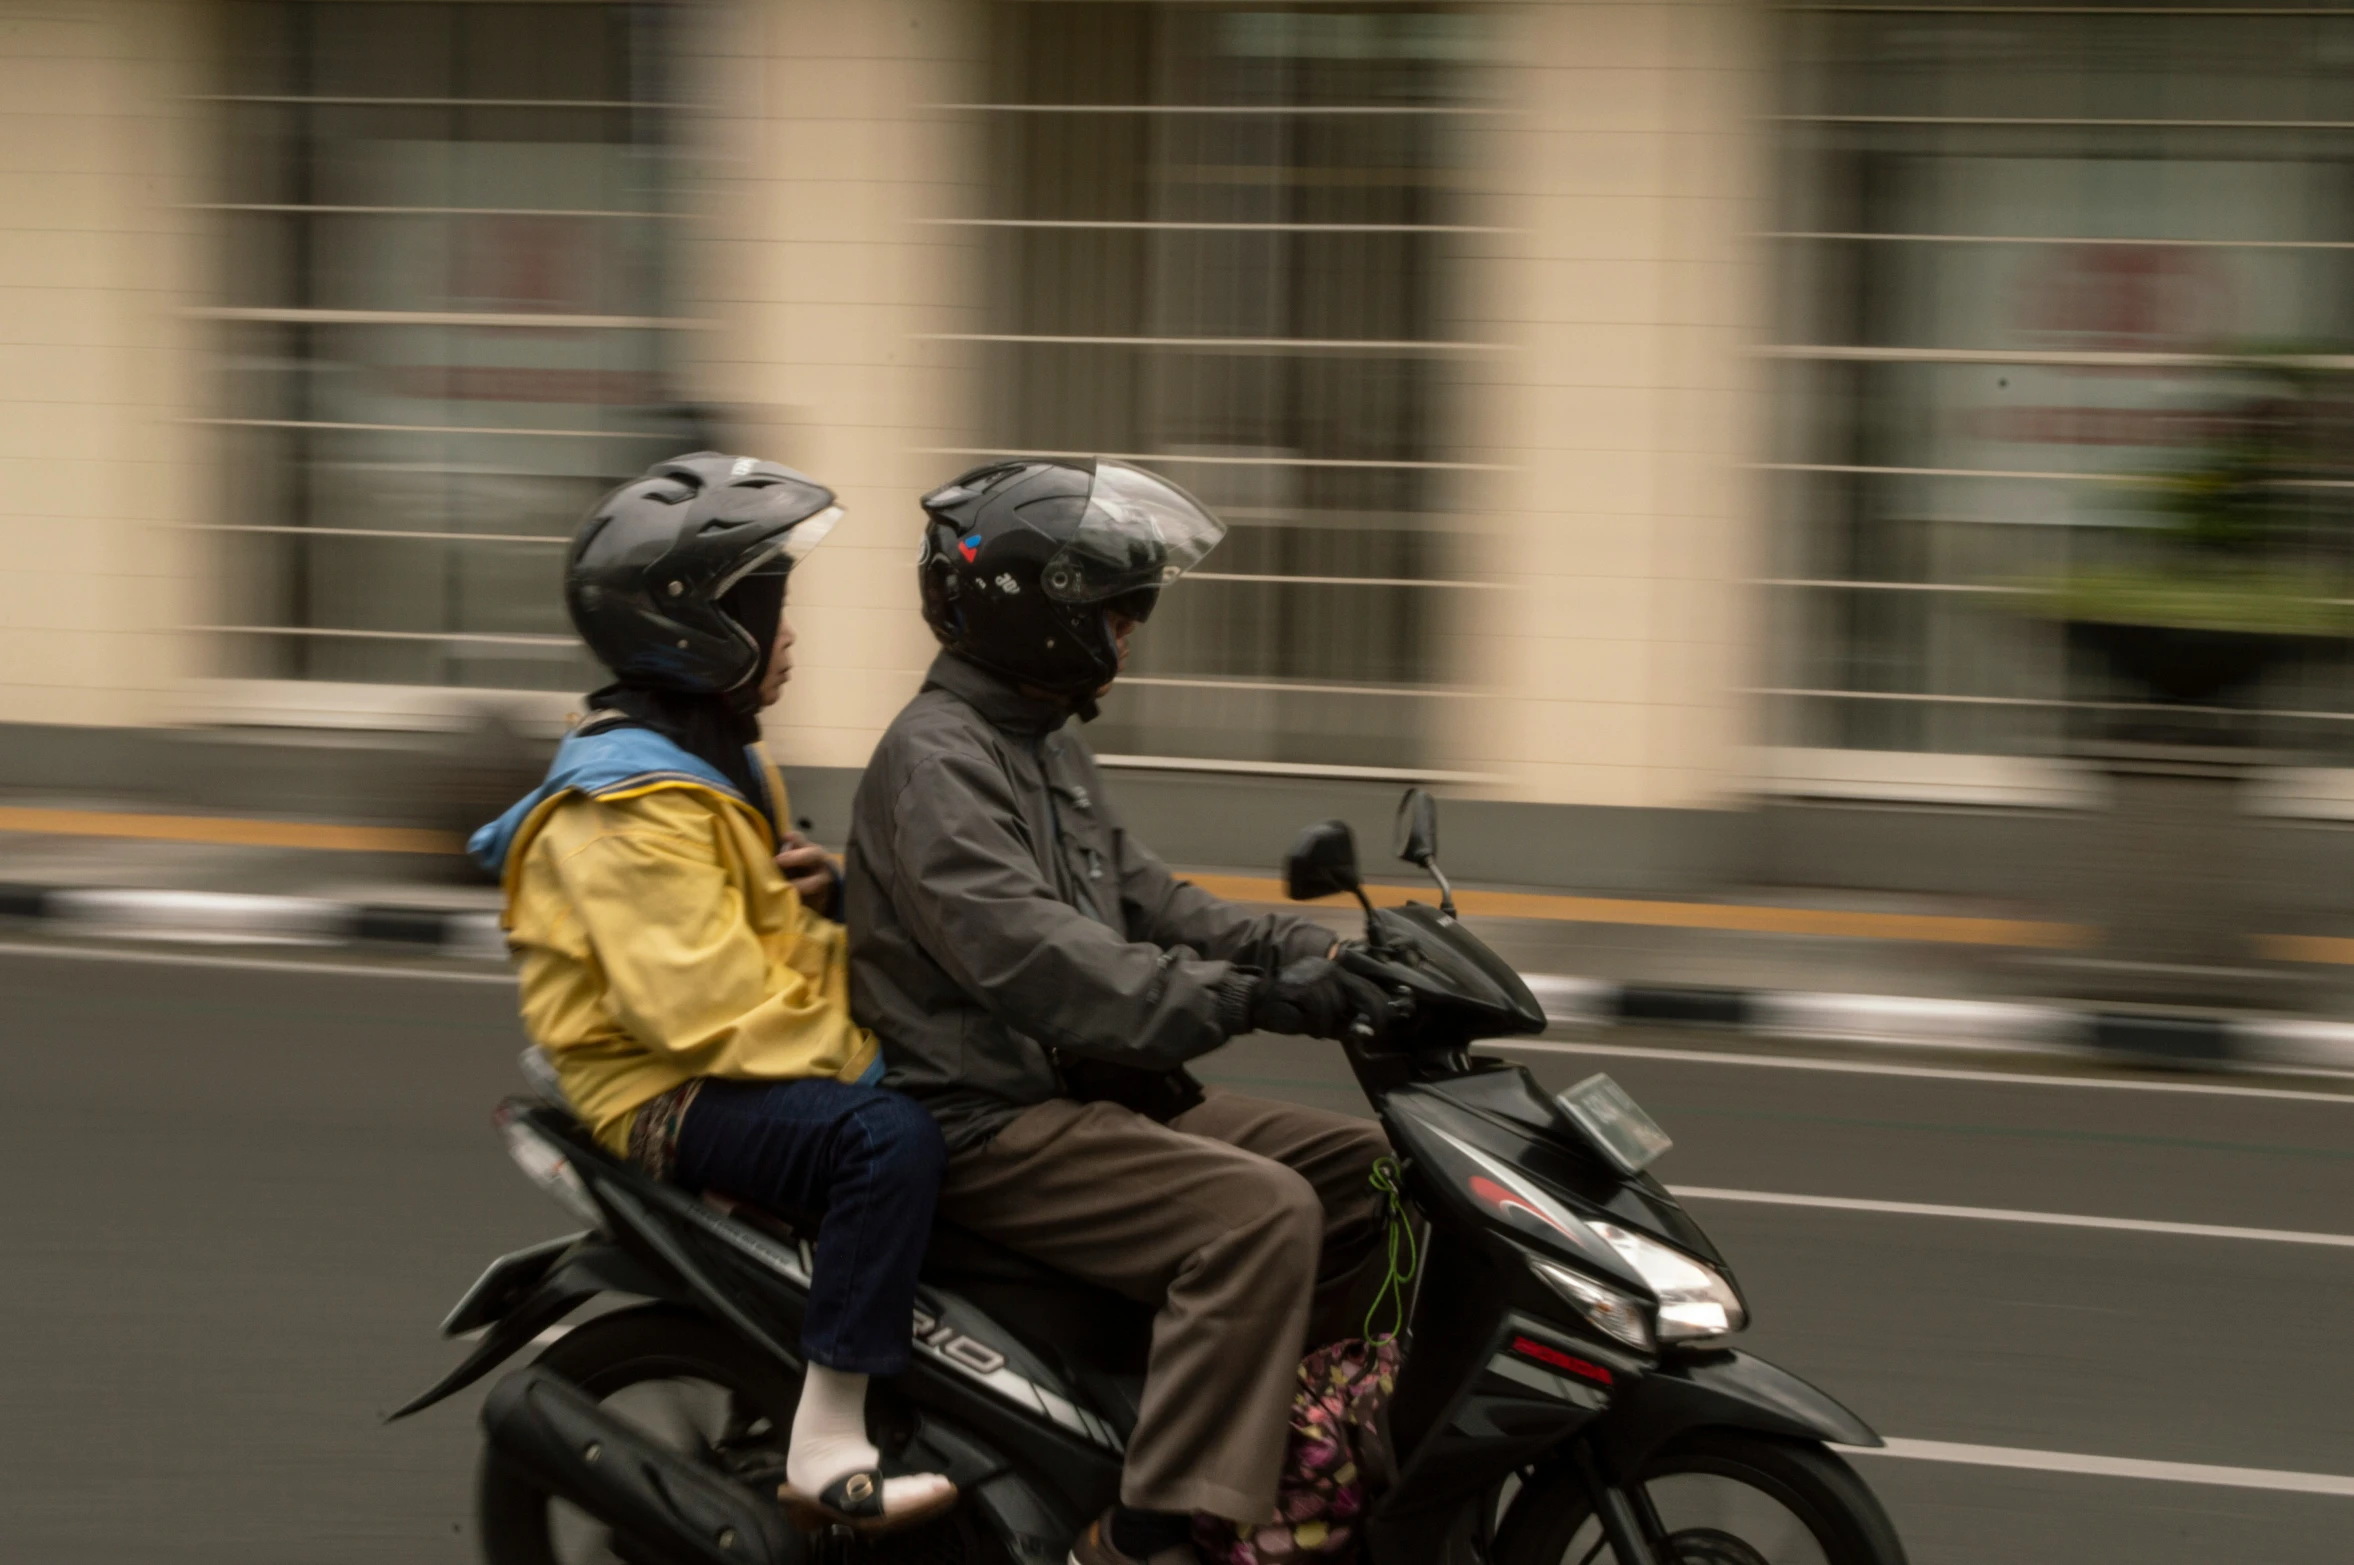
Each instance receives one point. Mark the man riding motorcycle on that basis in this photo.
(679, 971)
(1038, 980)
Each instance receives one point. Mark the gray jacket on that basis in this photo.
(999, 915)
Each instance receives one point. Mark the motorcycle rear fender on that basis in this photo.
(1722, 1390)
(662, 1252)
(506, 1283)
(590, 1267)
(639, 1254)
(652, 1221)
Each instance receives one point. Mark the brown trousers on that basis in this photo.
(1241, 1221)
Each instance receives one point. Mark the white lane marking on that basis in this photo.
(202, 915)
(250, 963)
(1930, 1072)
(1996, 1214)
(1993, 1025)
(2107, 1466)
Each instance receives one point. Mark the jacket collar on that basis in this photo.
(996, 697)
(602, 761)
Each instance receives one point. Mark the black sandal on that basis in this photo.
(855, 1501)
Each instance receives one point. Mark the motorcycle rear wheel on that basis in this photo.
(695, 1388)
(1720, 1497)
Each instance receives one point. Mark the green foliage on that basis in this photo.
(2281, 603)
(2244, 539)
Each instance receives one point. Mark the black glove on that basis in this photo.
(1316, 996)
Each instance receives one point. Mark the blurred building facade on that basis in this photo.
(330, 317)
(1615, 404)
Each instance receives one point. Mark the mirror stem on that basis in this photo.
(1372, 931)
(1446, 889)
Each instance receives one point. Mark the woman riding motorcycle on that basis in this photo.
(679, 966)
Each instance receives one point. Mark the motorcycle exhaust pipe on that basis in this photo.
(555, 1435)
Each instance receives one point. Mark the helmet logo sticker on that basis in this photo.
(969, 547)
(1007, 585)
(744, 464)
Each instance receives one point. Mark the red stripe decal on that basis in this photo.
(1529, 1347)
(1504, 1200)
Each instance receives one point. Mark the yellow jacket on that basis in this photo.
(657, 941)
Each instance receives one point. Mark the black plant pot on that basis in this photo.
(2173, 666)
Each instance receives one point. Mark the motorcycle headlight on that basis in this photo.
(546, 1165)
(1610, 1312)
(1693, 1300)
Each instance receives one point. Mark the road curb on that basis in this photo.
(241, 918)
(2142, 1037)
(2145, 1037)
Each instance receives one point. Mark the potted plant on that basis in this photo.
(2237, 569)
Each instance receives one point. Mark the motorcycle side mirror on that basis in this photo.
(1323, 862)
(1418, 827)
(1418, 841)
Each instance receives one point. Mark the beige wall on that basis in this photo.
(97, 363)
(1618, 415)
(1629, 171)
(1615, 415)
(823, 162)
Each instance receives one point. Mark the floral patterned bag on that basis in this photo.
(1339, 1458)
(1336, 1453)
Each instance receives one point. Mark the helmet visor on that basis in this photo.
(807, 535)
(781, 553)
(1137, 531)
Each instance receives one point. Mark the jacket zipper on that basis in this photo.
(1058, 853)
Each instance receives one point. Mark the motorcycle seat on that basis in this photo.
(1098, 1338)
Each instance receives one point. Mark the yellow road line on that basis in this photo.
(1940, 928)
(227, 829)
(2334, 950)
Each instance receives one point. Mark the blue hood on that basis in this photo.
(598, 762)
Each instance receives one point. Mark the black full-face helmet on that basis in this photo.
(649, 566)
(1024, 563)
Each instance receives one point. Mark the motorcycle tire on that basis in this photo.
(1551, 1522)
(611, 1354)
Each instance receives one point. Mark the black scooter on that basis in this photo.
(1566, 1395)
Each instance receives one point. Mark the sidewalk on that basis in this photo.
(1880, 944)
(1908, 969)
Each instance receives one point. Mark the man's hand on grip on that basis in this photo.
(1316, 996)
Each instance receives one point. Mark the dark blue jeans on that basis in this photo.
(866, 1162)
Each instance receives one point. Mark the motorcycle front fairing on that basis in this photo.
(1505, 1373)
(1499, 1114)
(1457, 987)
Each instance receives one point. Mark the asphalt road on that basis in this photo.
(243, 1196)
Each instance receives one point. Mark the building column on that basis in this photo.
(827, 163)
(100, 260)
(1622, 408)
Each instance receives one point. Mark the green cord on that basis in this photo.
(1384, 1178)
